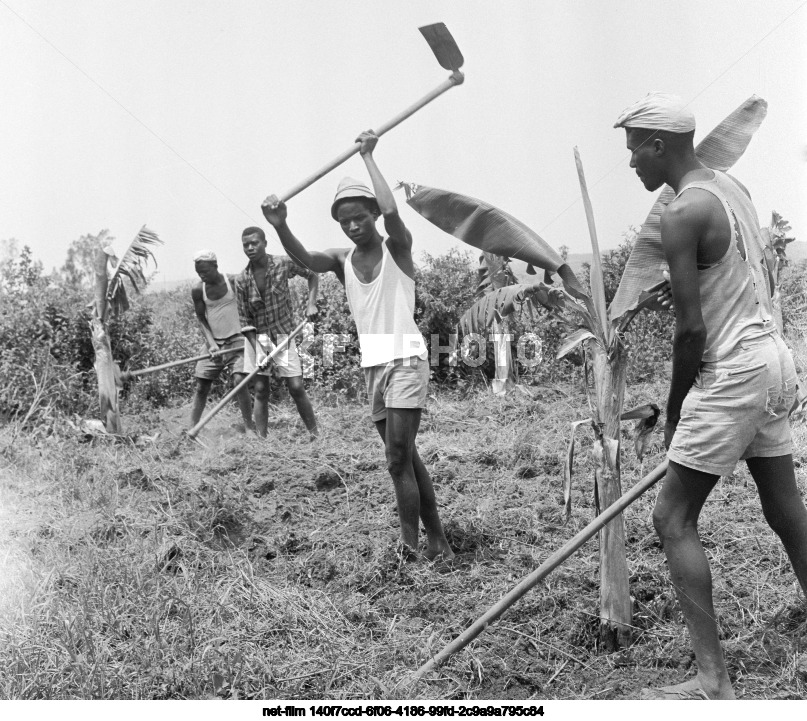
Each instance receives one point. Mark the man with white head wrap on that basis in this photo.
(658, 111)
(216, 311)
(733, 380)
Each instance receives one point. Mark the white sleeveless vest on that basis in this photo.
(384, 312)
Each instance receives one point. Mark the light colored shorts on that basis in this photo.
(286, 364)
(738, 408)
(401, 383)
(211, 368)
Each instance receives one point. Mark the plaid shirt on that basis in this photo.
(273, 316)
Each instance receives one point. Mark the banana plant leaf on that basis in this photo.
(488, 228)
(568, 470)
(130, 266)
(719, 150)
(503, 301)
(595, 277)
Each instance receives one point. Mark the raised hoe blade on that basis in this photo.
(443, 46)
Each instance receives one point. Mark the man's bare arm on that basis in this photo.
(400, 239)
(681, 229)
(276, 213)
(399, 236)
(201, 317)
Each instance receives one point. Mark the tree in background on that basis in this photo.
(78, 270)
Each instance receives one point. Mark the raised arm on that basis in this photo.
(682, 226)
(400, 239)
(201, 317)
(276, 213)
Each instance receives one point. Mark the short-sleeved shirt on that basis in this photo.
(274, 315)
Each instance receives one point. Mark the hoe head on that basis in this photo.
(443, 46)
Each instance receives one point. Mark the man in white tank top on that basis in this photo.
(733, 379)
(215, 307)
(378, 275)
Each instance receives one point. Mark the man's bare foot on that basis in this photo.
(406, 553)
(691, 690)
(439, 551)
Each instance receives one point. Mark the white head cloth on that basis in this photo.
(658, 111)
(205, 256)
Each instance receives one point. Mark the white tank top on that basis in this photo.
(735, 292)
(222, 314)
(384, 312)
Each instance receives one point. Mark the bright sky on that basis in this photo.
(184, 115)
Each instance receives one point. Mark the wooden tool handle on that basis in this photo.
(153, 369)
(193, 432)
(456, 78)
(551, 563)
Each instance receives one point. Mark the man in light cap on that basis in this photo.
(217, 314)
(378, 275)
(733, 378)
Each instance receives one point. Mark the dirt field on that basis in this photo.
(153, 568)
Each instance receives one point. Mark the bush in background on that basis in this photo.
(46, 356)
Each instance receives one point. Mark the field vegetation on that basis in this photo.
(147, 566)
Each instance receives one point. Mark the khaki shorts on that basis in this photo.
(286, 364)
(211, 368)
(401, 383)
(738, 408)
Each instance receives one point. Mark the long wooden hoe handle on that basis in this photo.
(193, 432)
(556, 559)
(456, 78)
(127, 375)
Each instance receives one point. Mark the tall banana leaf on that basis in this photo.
(488, 228)
(131, 266)
(597, 281)
(719, 150)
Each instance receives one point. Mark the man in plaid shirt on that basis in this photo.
(264, 307)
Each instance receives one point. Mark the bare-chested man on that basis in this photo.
(378, 275)
(733, 379)
(216, 311)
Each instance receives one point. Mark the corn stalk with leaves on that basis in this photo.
(590, 323)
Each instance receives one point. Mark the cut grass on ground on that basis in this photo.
(159, 569)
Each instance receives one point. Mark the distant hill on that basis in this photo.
(159, 285)
(797, 250)
(796, 253)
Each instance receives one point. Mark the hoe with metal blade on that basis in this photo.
(130, 375)
(449, 57)
(193, 432)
